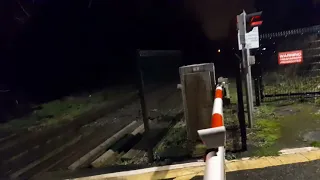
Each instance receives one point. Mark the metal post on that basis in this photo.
(260, 80)
(257, 91)
(261, 88)
(144, 111)
(247, 73)
(246, 64)
(241, 115)
(250, 95)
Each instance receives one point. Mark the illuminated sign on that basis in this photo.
(290, 57)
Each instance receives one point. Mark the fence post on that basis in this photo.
(241, 115)
(257, 90)
(261, 88)
(259, 76)
(144, 110)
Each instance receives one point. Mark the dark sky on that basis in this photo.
(215, 15)
(61, 33)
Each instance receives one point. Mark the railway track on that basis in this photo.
(23, 157)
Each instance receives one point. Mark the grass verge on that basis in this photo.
(315, 144)
(174, 144)
(60, 111)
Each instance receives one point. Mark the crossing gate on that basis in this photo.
(288, 64)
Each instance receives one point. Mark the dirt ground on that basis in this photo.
(277, 125)
(35, 153)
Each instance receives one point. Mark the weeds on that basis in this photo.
(59, 111)
(265, 134)
(315, 144)
(296, 84)
(317, 101)
(266, 151)
(264, 111)
(176, 137)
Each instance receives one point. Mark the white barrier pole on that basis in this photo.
(215, 165)
(215, 137)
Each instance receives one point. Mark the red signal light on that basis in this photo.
(255, 21)
(254, 18)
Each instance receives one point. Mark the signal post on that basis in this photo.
(248, 39)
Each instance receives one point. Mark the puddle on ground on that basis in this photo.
(300, 119)
(286, 111)
(296, 122)
(312, 136)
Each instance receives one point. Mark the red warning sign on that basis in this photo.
(290, 57)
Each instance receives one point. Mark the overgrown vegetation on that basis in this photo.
(60, 111)
(277, 125)
(291, 78)
(230, 111)
(174, 142)
(266, 131)
(315, 144)
(296, 84)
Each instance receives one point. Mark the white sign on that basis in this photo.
(252, 39)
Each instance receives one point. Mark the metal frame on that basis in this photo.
(259, 89)
(141, 89)
(312, 29)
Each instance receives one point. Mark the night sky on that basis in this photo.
(216, 15)
(49, 48)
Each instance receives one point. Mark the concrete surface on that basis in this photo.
(298, 171)
(304, 165)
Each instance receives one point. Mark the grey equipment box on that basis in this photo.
(197, 86)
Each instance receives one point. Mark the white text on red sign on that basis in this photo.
(290, 57)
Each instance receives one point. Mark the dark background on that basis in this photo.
(51, 48)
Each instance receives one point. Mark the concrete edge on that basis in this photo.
(306, 154)
(146, 170)
(298, 150)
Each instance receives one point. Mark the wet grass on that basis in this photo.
(315, 144)
(266, 133)
(233, 91)
(176, 147)
(230, 111)
(59, 111)
(279, 83)
(282, 125)
(278, 124)
(174, 143)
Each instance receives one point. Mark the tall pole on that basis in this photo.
(246, 65)
(257, 84)
(249, 90)
(241, 115)
(144, 111)
(247, 74)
